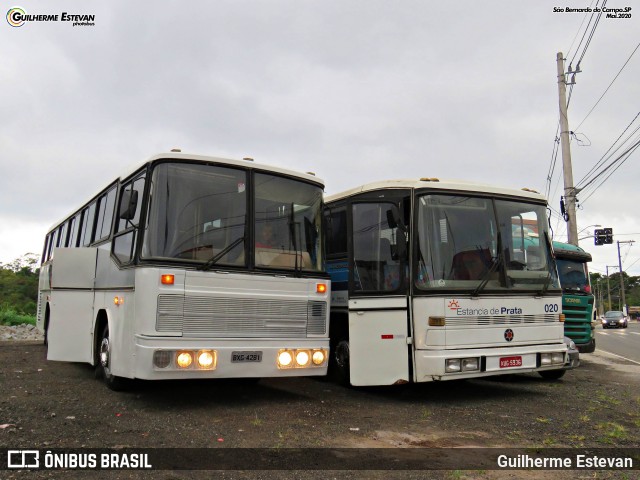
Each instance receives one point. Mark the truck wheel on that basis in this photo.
(589, 347)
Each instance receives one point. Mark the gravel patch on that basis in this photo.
(20, 332)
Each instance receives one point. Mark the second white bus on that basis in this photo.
(427, 284)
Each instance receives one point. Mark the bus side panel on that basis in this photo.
(71, 326)
(378, 341)
(70, 330)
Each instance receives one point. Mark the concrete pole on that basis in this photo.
(608, 291)
(569, 189)
(624, 303)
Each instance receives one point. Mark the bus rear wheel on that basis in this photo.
(103, 368)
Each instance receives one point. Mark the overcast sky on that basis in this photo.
(355, 91)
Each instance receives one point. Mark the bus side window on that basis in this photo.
(88, 215)
(106, 204)
(337, 231)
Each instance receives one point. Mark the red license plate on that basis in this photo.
(508, 362)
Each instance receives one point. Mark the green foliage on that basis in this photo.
(18, 289)
(9, 316)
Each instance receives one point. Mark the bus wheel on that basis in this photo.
(552, 374)
(340, 362)
(104, 365)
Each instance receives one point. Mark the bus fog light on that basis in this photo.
(302, 358)
(285, 359)
(557, 358)
(452, 365)
(184, 359)
(469, 364)
(545, 359)
(161, 358)
(207, 359)
(318, 357)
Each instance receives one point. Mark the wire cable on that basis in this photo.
(607, 89)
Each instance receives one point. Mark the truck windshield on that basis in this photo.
(199, 214)
(573, 276)
(476, 244)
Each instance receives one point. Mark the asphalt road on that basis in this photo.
(624, 342)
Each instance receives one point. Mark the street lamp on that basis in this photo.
(588, 226)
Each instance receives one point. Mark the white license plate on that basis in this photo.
(240, 357)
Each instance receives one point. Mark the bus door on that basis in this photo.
(378, 313)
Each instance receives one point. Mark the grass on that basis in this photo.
(612, 432)
(8, 316)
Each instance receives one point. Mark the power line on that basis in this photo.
(583, 35)
(621, 159)
(602, 159)
(607, 89)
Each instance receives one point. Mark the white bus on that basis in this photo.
(190, 267)
(428, 283)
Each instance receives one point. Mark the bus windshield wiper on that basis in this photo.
(494, 266)
(213, 260)
(485, 279)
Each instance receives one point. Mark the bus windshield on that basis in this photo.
(475, 244)
(200, 214)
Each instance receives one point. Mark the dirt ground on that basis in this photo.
(59, 405)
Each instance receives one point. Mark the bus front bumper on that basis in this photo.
(161, 358)
(475, 363)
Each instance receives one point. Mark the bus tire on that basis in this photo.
(46, 327)
(340, 362)
(104, 362)
(552, 374)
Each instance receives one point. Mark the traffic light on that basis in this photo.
(603, 236)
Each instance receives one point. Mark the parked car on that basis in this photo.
(614, 319)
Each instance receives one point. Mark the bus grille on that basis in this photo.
(223, 317)
(507, 320)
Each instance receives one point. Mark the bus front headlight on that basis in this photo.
(285, 359)
(184, 359)
(206, 359)
(302, 358)
(318, 357)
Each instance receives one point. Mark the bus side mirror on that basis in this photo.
(394, 220)
(128, 204)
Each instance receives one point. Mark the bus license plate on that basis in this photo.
(508, 362)
(237, 357)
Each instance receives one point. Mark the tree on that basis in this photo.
(19, 285)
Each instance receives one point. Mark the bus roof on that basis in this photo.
(570, 252)
(454, 185)
(245, 163)
(191, 158)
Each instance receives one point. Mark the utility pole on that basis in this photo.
(624, 304)
(569, 189)
(608, 286)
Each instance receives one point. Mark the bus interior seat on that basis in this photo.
(470, 264)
